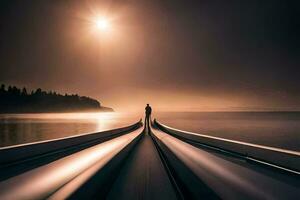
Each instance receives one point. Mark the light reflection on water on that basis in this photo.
(281, 129)
(24, 128)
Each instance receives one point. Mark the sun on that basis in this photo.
(102, 24)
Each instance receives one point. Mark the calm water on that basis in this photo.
(24, 128)
(272, 129)
(278, 129)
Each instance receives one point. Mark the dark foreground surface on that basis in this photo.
(143, 176)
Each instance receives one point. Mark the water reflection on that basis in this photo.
(281, 129)
(24, 128)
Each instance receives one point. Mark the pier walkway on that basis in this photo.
(157, 162)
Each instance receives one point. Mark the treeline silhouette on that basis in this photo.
(16, 100)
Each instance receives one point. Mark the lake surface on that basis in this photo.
(278, 129)
(25, 128)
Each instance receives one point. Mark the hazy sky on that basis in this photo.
(176, 55)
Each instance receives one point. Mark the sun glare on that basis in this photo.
(102, 24)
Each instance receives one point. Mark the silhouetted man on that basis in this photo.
(148, 111)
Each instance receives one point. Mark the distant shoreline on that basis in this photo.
(100, 110)
(17, 100)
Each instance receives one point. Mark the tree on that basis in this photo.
(9, 89)
(19, 100)
(38, 91)
(16, 91)
(2, 88)
(24, 91)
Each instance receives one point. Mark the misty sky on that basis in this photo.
(175, 55)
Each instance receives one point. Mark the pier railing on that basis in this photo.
(282, 159)
(18, 153)
(86, 174)
(204, 175)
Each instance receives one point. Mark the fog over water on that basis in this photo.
(280, 129)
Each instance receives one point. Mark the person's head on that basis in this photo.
(147, 104)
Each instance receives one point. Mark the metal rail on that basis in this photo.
(207, 176)
(277, 158)
(18, 153)
(63, 177)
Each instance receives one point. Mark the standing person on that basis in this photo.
(148, 111)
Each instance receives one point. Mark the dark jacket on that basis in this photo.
(148, 110)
